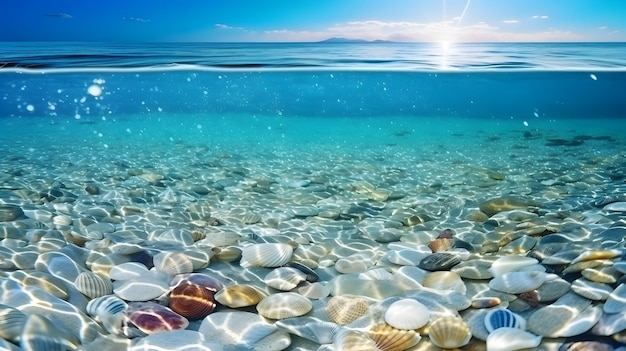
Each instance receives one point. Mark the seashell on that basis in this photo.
(40, 333)
(485, 302)
(511, 263)
(407, 314)
(109, 311)
(284, 305)
(284, 278)
(388, 338)
(266, 255)
(127, 271)
(344, 309)
(150, 318)
(143, 288)
(43, 280)
(510, 339)
(310, 273)
(440, 261)
(240, 295)
(191, 301)
(449, 332)
(11, 323)
(503, 318)
(353, 340)
(314, 291)
(244, 329)
(93, 285)
(518, 282)
(310, 328)
(444, 280)
(172, 263)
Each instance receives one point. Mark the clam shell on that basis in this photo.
(503, 318)
(192, 301)
(388, 338)
(284, 305)
(11, 323)
(266, 255)
(407, 314)
(93, 285)
(310, 328)
(449, 332)
(172, 263)
(109, 311)
(150, 318)
(284, 278)
(518, 282)
(240, 295)
(344, 309)
(510, 339)
(353, 340)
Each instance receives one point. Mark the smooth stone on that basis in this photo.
(591, 290)
(616, 302)
(440, 261)
(474, 269)
(10, 212)
(176, 340)
(405, 257)
(615, 207)
(143, 288)
(551, 290)
(351, 284)
(506, 203)
(244, 329)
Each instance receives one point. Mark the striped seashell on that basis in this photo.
(310, 328)
(150, 318)
(93, 285)
(172, 263)
(284, 305)
(11, 323)
(266, 255)
(510, 339)
(344, 309)
(503, 318)
(192, 301)
(449, 332)
(109, 310)
(240, 295)
(388, 338)
(284, 278)
(407, 314)
(353, 340)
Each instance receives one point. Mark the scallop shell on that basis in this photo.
(109, 311)
(192, 301)
(310, 328)
(284, 278)
(353, 340)
(511, 263)
(344, 309)
(407, 314)
(284, 305)
(449, 332)
(266, 255)
(518, 282)
(93, 285)
(240, 295)
(172, 263)
(11, 323)
(503, 318)
(510, 339)
(388, 338)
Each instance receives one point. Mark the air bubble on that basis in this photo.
(94, 90)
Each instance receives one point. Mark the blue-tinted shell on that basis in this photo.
(109, 311)
(499, 318)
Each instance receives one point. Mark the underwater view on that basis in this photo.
(313, 196)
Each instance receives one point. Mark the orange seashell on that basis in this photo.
(441, 244)
(192, 301)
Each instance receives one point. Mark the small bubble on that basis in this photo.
(536, 114)
(106, 146)
(525, 124)
(159, 109)
(94, 90)
(199, 126)
(30, 108)
(593, 76)
(100, 135)
(77, 116)
(128, 131)
(82, 100)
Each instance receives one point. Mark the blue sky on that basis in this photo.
(304, 20)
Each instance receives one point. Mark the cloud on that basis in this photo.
(510, 21)
(603, 28)
(136, 19)
(59, 15)
(540, 17)
(225, 26)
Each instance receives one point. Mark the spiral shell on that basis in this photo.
(284, 305)
(407, 314)
(172, 263)
(449, 332)
(388, 338)
(93, 285)
(344, 309)
(240, 295)
(266, 255)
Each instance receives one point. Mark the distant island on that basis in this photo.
(352, 41)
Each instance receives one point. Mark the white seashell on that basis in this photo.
(353, 340)
(11, 323)
(449, 332)
(344, 309)
(266, 255)
(314, 291)
(511, 263)
(284, 305)
(239, 295)
(510, 339)
(503, 318)
(310, 328)
(172, 263)
(109, 310)
(93, 285)
(518, 282)
(284, 278)
(407, 314)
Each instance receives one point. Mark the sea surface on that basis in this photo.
(247, 128)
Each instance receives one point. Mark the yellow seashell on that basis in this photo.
(344, 309)
(240, 295)
(388, 338)
(449, 332)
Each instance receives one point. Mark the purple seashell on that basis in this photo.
(150, 318)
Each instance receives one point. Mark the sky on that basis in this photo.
(313, 20)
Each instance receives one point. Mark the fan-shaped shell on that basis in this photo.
(240, 295)
(310, 328)
(518, 282)
(150, 317)
(172, 263)
(266, 255)
(109, 310)
(284, 278)
(510, 339)
(503, 318)
(93, 285)
(407, 314)
(353, 340)
(284, 305)
(192, 301)
(388, 338)
(11, 323)
(344, 309)
(449, 332)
